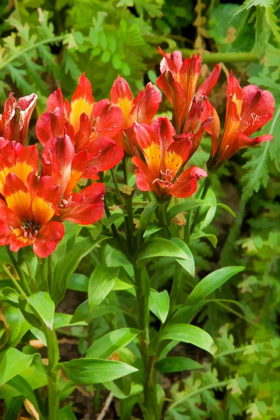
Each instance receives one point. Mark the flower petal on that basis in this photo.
(186, 184)
(48, 238)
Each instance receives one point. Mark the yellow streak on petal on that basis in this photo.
(42, 211)
(126, 106)
(79, 107)
(153, 158)
(20, 237)
(73, 181)
(3, 175)
(22, 170)
(238, 103)
(19, 203)
(173, 161)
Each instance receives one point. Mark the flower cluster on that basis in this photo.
(82, 138)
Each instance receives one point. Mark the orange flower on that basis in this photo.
(248, 109)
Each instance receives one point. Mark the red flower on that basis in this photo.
(16, 117)
(248, 109)
(142, 109)
(164, 157)
(61, 163)
(26, 218)
(178, 81)
(82, 120)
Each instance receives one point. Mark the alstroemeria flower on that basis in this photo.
(142, 109)
(16, 159)
(25, 216)
(164, 157)
(83, 119)
(66, 168)
(16, 117)
(248, 109)
(179, 80)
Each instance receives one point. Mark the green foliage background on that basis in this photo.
(46, 44)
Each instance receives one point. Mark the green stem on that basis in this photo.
(11, 277)
(19, 271)
(175, 289)
(53, 375)
(228, 57)
(125, 169)
(203, 195)
(149, 374)
(31, 47)
(115, 183)
(162, 217)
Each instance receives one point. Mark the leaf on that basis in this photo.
(146, 216)
(200, 234)
(159, 303)
(188, 265)
(7, 294)
(78, 282)
(176, 364)
(101, 282)
(187, 334)
(111, 342)
(210, 283)
(21, 385)
(94, 371)
(184, 207)
(83, 312)
(13, 363)
(159, 247)
(227, 208)
(66, 413)
(68, 264)
(44, 307)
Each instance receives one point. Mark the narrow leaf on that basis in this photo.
(101, 282)
(160, 247)
(187, 334)
(159, 303)
(111, 342)
(210, 283)
(95, 371)
(43, 306)
(176, 364)
(13, 363)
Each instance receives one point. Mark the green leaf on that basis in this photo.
(68, 264)
(159, 247)
(227, 208)
(13, 363)
(146, 216)
(210, 283)
(211, 238)
(21, 385)
(8, 294)
(43, 306)
(95, 371)
(83, 312)
(101, 282)
(176, 364)
(66, 413)
(159, 303)
(111, 342)
(188, 265)
(78, 282)
(184, 207)
(187, 334)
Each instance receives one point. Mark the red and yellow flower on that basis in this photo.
(83, 120)
(179, 80)
(142, 109)
(60, 162)
(26, 214)
(16, 116)
(163, 158)
(248, 110)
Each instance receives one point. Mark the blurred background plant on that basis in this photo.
(44, 42)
